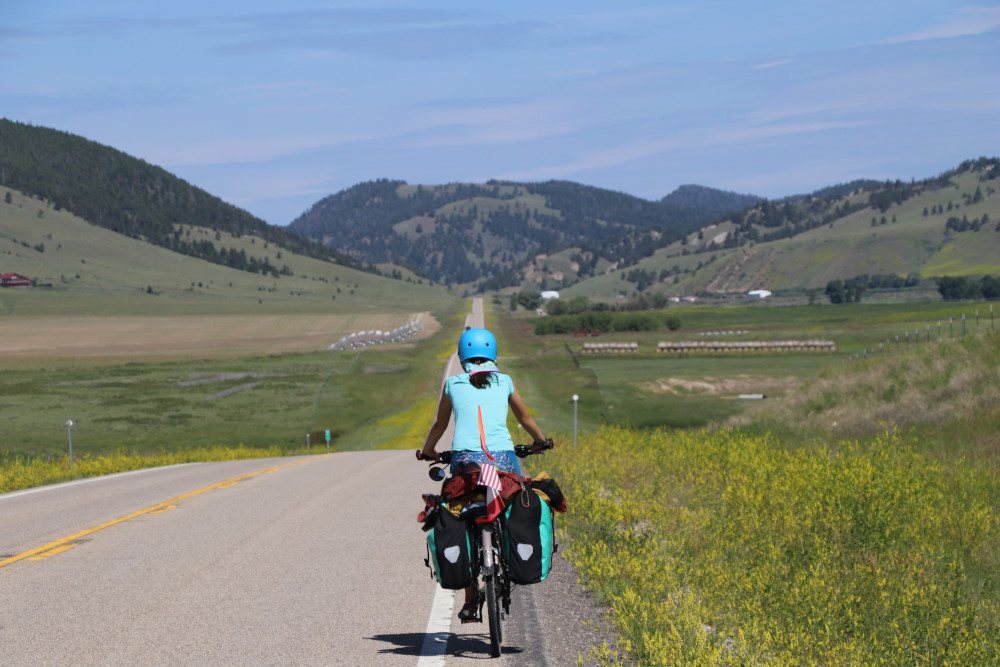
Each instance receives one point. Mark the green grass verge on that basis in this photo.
(24, 472)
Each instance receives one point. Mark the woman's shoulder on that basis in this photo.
(506, 381)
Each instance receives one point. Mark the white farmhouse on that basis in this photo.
(758, 294)
(550, 294)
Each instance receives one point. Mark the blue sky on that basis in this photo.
(274, 105)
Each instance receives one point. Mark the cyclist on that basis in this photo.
(479, 399)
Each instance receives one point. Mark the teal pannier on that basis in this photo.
(529, 539)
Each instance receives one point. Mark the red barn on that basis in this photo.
(14, 280)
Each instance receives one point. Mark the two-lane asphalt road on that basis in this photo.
(318, 562)
(312, 560)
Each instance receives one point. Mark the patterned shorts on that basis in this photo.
(505, 460)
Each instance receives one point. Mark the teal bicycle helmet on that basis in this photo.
(476, 344)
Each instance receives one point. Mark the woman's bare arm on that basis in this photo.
(521, 414)
(439, 426)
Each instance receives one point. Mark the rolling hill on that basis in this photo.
(948, 225)
(104, 231)
(482, 234)
(83, 268)
(126, 195)
(603, 244)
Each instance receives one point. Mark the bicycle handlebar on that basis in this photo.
(521, 451)
(536, 448)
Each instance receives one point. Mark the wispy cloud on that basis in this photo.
(83, 101)
(974, 20)
(505, 123)
(385, 33)
(411, 42)
(702, 139)
(259, 150)
(803, 176)
(776, 63)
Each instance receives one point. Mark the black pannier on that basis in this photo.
(450, 551)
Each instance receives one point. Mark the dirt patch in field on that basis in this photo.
(727, 386)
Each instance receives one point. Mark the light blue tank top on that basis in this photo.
(465, 399)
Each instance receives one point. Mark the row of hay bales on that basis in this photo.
(748, 346)
(365, 338)
(609, 348)
(692, 346)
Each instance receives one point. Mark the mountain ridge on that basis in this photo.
(702, 197)
(503, 235)
(467, 233)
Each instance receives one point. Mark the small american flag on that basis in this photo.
(489, 478)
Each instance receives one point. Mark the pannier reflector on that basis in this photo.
(525, 551)
(452, 554)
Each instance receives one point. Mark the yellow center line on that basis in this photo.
(163, 509)
(159, 507)
(53, 552)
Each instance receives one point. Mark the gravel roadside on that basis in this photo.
(570, 620)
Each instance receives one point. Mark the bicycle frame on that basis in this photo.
(495, 580)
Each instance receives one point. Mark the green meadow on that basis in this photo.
(652, 389)
(157, 403)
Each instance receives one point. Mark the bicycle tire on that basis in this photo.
(493, 612)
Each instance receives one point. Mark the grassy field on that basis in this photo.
(650, 389)
(852, 518)
(148, 351)
(159, 406)
(152, 382)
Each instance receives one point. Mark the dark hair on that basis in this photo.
(481, 380)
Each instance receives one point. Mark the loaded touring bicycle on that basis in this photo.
(492, 528)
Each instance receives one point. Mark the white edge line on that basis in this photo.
(432, 653)
(61, 485)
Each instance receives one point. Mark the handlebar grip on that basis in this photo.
(443, 457)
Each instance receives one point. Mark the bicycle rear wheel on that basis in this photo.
(493, 612)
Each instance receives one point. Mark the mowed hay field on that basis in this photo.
(149, 385)
(172, 337)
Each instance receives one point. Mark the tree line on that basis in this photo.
(606, 321)
(641, 313)
(965, 288)
(951, 288)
